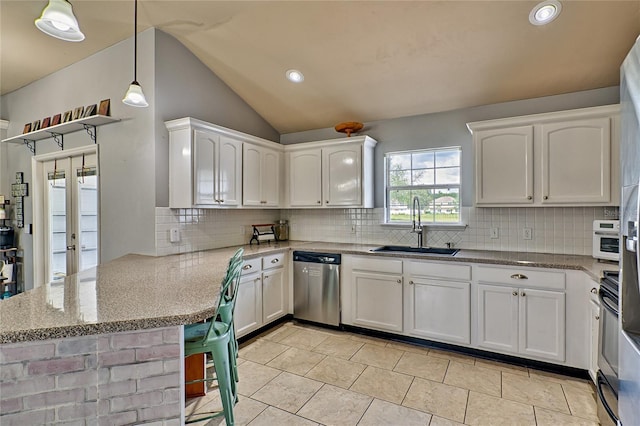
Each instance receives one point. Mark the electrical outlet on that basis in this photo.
(494, 233)
(353, 229)
(527, 233)
(174, 235)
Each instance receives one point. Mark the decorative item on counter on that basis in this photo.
(19, 190)
(90, 110)
(77, 113)
(281, 230)
(35, 125)
(349, 127)
(7, 293)
(27, 128)
(67, 116)
(105, 108)
(56, 119)
(263, 232)
(45, 122)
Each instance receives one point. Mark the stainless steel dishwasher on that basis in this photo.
(316, 287)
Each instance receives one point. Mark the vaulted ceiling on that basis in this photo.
(361, 60)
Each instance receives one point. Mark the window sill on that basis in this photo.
(435, 226)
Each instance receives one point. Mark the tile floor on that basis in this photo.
(302, 375)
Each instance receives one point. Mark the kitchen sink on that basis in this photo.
(421, 250)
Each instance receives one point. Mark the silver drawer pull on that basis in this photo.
(515, 293)
(594, 291)
(519, 277)
(245, 267)
(275, 261)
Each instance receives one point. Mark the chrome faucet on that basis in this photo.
(417, 229)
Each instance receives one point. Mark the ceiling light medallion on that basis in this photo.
(545, 12)
(135, 96)
(294, 76)
(58, 20)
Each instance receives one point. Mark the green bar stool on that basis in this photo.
(215, 337)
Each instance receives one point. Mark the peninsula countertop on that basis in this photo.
(137, 292)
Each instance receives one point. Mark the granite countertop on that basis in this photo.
(138, 292)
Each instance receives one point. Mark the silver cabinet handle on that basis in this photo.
(73, 247)
(594, 290)
(515, 293)
(524, 294)
(222, 201)
(546, 197)
(246, 267)
(266, 277)
(411, 282)
(519, 277)
(597, 317)
(399, 281)
(275, 261)
(529, 197)
(327, 201)
(319, 202)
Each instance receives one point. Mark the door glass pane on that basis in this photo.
(57, 225)
(87, 241)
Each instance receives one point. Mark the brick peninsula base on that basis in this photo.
(132, 377)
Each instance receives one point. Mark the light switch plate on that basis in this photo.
(494, 233)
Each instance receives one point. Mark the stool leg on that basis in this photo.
(223, 372)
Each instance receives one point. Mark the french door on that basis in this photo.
(69, 214)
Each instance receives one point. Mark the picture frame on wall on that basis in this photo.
(56, 119)
(35, 125)
(67, 117)
(105, 107)
(77, 113)
(46, 122)
(90, 110)
(27, 128)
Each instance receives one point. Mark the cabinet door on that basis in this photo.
(504, 166)
(542, 324)
(377, 301)
(273, 295)
(204, 168)
(594, 323)
(251, 175)
(248, 313)
(576, 161)
(229, 172)
(305, 178)
(439, 310)
(342, 175)
(270, 178)
(497, 318)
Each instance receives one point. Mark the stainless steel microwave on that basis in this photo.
(606, 239)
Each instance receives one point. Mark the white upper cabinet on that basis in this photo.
(504, 165)
(333, 173)
(261, 176)
(566, 158)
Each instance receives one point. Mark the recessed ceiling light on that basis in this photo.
(295, 76)
(545, 12)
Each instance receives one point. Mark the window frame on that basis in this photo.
(388, 188)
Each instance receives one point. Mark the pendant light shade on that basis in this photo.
(57, 20)
(134, 96)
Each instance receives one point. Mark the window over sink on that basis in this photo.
(433, 175)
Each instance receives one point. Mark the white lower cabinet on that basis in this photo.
(377, 300)
(262, 293)
(542, 324)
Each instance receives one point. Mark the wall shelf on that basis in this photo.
(58, 131)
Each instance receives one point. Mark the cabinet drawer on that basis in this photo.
(251, 265)
(273, 261)
(377, 264)
(520, 277)
(449, 270)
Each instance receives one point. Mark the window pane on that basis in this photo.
(423, 160)
(399, 205)
(399, 178)
(446, 205)
(448, 158)
(449, 175)
(400, 162)
(423, 177)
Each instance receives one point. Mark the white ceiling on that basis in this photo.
(362, 60)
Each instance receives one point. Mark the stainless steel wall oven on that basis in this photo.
(607, 381)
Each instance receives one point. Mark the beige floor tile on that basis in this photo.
(368, 339)
(340, 347)
(383, 384)
(305, 339)
(408, 347)
(439, 421)
(272, 416)
(280, 333)
(262, 351)
(335, 406)
(541, 393)
(383, 413)
(487, 410)
(501, 366)
(244, 411)
(336, 371)
(452, 356)
(586, 385)
(436, 398)
(546, 417)
(287, 391)
(296, 361)
(474, 378)
(253, 376)
(377, 356)
(582, 403)
(420, 365)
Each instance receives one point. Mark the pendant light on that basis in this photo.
(135, 96)
(58, 20)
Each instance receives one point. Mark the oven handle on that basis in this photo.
(600, 382)
(604, 299)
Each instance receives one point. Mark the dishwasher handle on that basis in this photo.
(315, 257)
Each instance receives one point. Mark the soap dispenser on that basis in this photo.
(7, 293)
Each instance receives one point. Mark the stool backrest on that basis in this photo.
(228, 293)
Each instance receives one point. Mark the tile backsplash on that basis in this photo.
(554, 230)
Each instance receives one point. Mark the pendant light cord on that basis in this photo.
(135, 41)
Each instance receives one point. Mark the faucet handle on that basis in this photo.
(450, 245)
